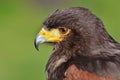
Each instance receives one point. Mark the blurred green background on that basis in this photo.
(20, 21)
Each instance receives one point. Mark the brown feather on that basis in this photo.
(73, 73)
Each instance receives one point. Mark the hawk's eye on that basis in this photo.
(64, 31)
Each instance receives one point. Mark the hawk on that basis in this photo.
(83, 49)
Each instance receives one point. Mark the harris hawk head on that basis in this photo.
(83, 50)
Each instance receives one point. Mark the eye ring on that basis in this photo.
(63, 30)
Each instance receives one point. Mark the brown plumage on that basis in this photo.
(88, 52)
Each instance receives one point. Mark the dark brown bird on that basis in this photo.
(83, 50)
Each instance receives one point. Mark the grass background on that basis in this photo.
(20, 21)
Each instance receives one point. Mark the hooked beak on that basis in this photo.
(39, 40)
(47, 36)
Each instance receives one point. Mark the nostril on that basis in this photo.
(43, 33)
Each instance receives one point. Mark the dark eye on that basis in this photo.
(63, 30)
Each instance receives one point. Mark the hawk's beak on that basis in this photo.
(47, 36)
(39, 40)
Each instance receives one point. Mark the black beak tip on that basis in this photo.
(36, 45)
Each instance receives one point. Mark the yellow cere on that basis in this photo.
(52, 35)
